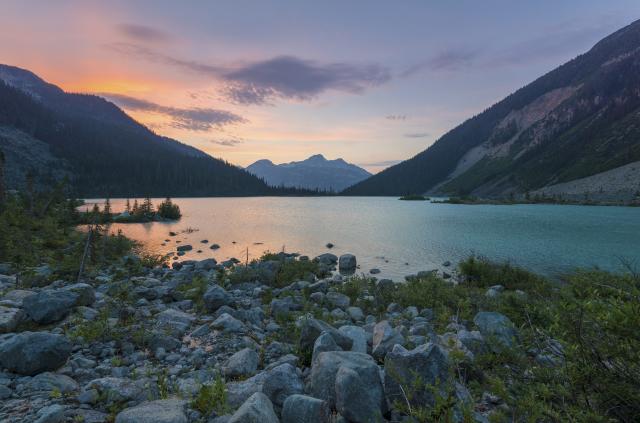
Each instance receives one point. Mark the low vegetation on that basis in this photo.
(413, 197)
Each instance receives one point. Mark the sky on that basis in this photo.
(372, 82)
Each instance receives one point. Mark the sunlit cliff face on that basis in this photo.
(372, 82)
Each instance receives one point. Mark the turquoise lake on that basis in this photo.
(400, 237)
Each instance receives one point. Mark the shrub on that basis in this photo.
(212, 398)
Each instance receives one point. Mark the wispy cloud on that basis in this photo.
(228, 141)
(143, 33)
(282, 77)
(194, 119)
(396, 117)
(384, 163)
(417, 135)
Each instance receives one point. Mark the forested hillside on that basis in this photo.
(580, 119)
(108, 153)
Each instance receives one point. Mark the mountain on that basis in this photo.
(51, 134)
(579, 120)
(316, 172)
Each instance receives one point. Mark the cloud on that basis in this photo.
(417, 135)
(229, 141)
(384, 163)
(143, 33)
(396, 117)
(281, 77)
(448, 60)
(194, 119)
(293, 78)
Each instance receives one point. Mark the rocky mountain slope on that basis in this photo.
(316, 172)
(106, 152)
(578, 120)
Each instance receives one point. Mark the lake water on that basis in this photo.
(400, 237)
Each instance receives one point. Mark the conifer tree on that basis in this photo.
(136, 208)
(2, 188)
(127, 207)
(107, 208)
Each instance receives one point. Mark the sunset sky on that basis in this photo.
(373, 82)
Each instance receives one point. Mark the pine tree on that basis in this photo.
(136, 208)
(128, 206)
(147, 206)
(107, 208)
(2, 188)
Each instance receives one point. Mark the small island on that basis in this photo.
(136, 213)
(414, 197)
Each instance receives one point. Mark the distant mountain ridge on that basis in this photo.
(578, 120)
(316, 172)
(103, 150)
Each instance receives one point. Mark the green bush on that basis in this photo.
(168, 210)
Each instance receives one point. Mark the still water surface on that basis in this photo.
(400, 237)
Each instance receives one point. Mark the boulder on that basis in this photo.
(183, 248)
(428, 363)
(50, 414)
(49, 306)
(48, 382)
(338, 300)
(242, 364)
(357, 335)
(327, 259)
(216, 297)
(174, 321)
(312, 328)
(325, 342)
(161, 411)
(256, 409)
(338, 377)
(117, 390)
(497, 329)
(301, 408)
(10, 318)
(30, 353)
(85, 294)
(384, 338)
(281, 382)
(228, 323)
(206, 264)
(347, 262)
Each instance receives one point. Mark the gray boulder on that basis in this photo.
(340, 378)
(30, 353)
(48, 382)
(312, 328)
(228, 323)
(347, 262)
(216, 297)
(117, 390)
(85, 294)
(301, 408)
(244, 363)
(50, 414)
(327, 259)
(162, 411)
(337, 299)
(325, 342)
(49, 306)
(428, 363)
(497, 329)
(206, 264)
(357, 335)
(174, 321)
(384, 338)
(10, 318)
(256, 409)
(281, 382)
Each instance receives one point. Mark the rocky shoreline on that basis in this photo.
(209, 342)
